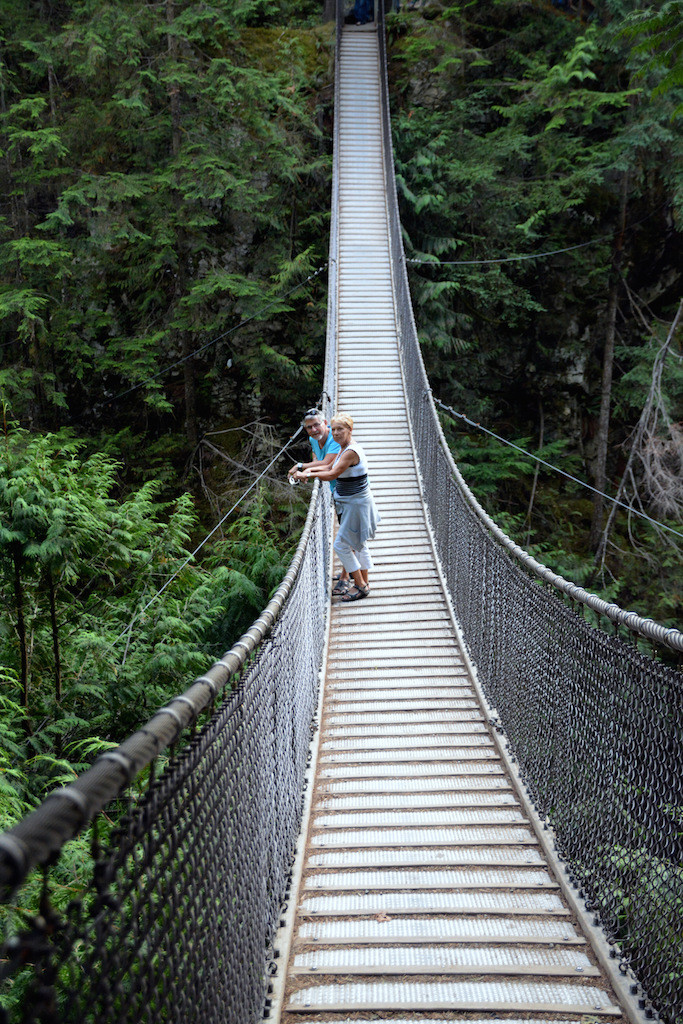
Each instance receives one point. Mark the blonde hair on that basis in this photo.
(344, 419)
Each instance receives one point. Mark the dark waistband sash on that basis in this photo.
(352, 485)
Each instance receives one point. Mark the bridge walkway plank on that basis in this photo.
(425, 896)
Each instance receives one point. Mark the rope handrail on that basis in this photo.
(68, 810)
(643, 626)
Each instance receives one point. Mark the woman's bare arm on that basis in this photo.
(347, 459)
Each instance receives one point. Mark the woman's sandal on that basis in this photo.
(341, 587)
(357, 594)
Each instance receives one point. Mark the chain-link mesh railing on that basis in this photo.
(182, 899)
(595, 726)
(174, 913)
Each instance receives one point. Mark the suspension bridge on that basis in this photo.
(458, 800)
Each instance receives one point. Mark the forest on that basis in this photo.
(166, 173)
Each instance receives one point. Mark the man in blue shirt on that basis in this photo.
(323, 445)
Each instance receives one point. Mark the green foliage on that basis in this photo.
(255, 560)
(165, 181)
(657, 43)
(487, 464)
(13, 801)
(637, 364)
(103, 614)
(518, 131)
(78, 567)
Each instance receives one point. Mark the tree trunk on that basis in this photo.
(174, 101)
(173, 88)
(602, 437)
(17, 560)
(190, 392)
(52, 88)
(9, 189)
(55, 635)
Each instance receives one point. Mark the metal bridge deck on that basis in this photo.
(425, 894)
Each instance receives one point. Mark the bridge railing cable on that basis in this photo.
(592, 720)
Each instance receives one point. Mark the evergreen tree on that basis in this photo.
(520, 131)
(162, 189)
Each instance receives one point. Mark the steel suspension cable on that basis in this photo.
(220, 337)
(509, 259)
(556, 469)
(208, 537)
(531, 255)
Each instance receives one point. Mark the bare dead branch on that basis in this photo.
(660, 455)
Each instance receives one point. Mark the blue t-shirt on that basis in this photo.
(330, 447)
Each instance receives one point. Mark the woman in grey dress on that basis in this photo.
(356, 507)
